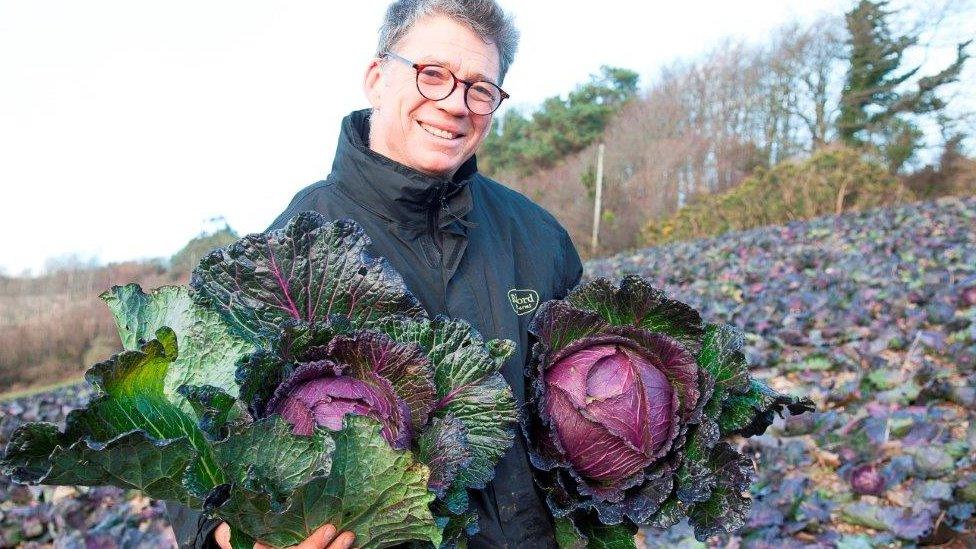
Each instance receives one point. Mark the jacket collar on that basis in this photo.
(392, 190)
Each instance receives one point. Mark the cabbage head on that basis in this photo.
(631, 396)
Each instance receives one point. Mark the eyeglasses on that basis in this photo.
(436, 82)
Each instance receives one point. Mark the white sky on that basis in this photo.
(125, 124)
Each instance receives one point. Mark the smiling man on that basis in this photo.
(467, 246)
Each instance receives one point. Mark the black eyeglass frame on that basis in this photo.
(467, 85)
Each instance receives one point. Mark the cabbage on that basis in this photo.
(867, 480)
(631, 396)
(296, 382)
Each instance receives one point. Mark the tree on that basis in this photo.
(559, 128)
(872, 102)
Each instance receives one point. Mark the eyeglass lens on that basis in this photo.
(436, 83)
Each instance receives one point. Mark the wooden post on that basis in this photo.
(599, 197)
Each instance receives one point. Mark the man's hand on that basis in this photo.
(323, 538)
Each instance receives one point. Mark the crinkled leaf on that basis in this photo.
(635, 302)
(557, 324)
(309, 270)
(725, 511)
(208, 351)
(751, 413)
(639, 504)
(457, 528)
(258, 376)
(444, 447)
(376, 492)
(130, 460)
(695, 479)
(567, 535)
(469, 386)
(213, 408)
(722, 356)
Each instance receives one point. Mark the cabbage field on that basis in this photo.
(871, 315)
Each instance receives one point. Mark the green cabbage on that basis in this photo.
(297, 383)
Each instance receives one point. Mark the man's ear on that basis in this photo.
(374, 81)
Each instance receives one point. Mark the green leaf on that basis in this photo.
(722, 357)
(671, 512)
(469, 386)
(636, 303)
(129, 435)
(567, 535)
(266, 457)
(309, 271)
(600, 536)
(212, 406)
(588, 533)
(208, 352)
(751, 413)
(371, 489)
(457, 528)
(557, 324)
(725, 511)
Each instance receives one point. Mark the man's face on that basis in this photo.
(403, 120)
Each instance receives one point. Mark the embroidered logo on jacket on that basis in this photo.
(523, 301)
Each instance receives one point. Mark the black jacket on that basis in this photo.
(467, 247)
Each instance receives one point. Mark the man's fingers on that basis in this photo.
(319, 538)
(323, 538)
(222, 535)
(344, 541)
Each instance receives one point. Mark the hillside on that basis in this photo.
(873, 315)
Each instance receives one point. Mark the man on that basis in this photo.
(466, 246)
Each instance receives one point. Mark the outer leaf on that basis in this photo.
(469, 386)
(587, 533)
(695, 479)
(266, 457)
(568, 535)
(258, 376)
(600, 536)
(725, 511)
(672, 512)
(309, 270)
(129, 435)
(557, 324)
(750, 414)
(637, 303)
(378, 493)
(130, 460)
(722, 356)
(208, 351)
(457, 528)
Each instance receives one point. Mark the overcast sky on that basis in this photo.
(126, 124)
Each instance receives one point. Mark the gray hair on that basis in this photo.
(485, 17)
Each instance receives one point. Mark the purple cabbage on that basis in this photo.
(867, 480)
(631, 395)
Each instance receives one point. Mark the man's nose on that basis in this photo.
(454, 103)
